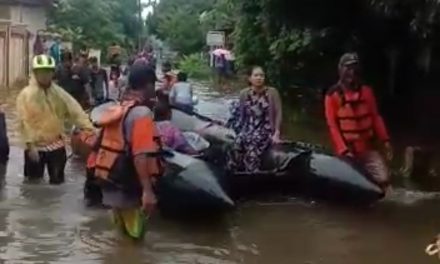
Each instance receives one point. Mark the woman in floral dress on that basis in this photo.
(257, 121)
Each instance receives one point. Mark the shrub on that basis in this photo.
(195, 66)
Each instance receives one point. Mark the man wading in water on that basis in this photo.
(42, 108)
(125, 156)
(99, 80)
(355, 123)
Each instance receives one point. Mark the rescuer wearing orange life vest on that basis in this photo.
(355, 123)
(125, 157)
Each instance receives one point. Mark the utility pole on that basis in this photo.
(141, 26)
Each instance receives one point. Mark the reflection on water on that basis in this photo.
(40, 223)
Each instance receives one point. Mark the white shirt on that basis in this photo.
(113, 90)
(182, 93)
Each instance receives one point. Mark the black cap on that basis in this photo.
(140, 76)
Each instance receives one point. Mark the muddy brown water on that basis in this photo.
(49, 224)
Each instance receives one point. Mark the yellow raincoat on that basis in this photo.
(42, 114)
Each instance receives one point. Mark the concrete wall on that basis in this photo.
(18, 44)
(33, 17)
(3, 54)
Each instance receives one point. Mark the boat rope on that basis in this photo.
(433, 249)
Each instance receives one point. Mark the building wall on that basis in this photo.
(21, 19)
(15, 13)
(33, 17)
(5, 12)
(18, 55)
(3, 54)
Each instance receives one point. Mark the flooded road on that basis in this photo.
(49, 224)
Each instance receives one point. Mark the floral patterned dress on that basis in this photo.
(253, 128)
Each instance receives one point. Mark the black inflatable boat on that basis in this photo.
(192, 184)
(291, 167)
(202, 183)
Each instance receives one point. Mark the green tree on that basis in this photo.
(97, 23)
(178, 23)
(221, 15)
(302, 39)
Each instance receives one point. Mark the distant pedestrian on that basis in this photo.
(55, 50)
(99, 80)
(72, 79)
(220, 65)
(115, 86)
(38, 48)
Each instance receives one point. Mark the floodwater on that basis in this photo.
(49, 224)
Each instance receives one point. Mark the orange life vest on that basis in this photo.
(91, 160)
(113, 163)
(355, 118)
(82, 142)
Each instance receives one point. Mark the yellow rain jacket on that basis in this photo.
(42, 114)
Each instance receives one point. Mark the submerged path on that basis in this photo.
(49, 224)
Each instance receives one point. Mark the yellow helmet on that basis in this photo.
(43, 62)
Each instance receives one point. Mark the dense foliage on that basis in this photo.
(300, 41)
(97, 23)
(195, 66)
(178, 23)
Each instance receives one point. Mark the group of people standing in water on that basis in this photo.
(127, 143)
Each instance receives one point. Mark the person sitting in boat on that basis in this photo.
(256, 121)
(181, 94)
(354, 120)
(170, 134)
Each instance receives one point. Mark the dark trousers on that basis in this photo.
(55, 161)
(82, 98)
(92, 191)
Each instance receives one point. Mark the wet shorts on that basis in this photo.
(131, 221)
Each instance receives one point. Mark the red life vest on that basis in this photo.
(355, 117)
